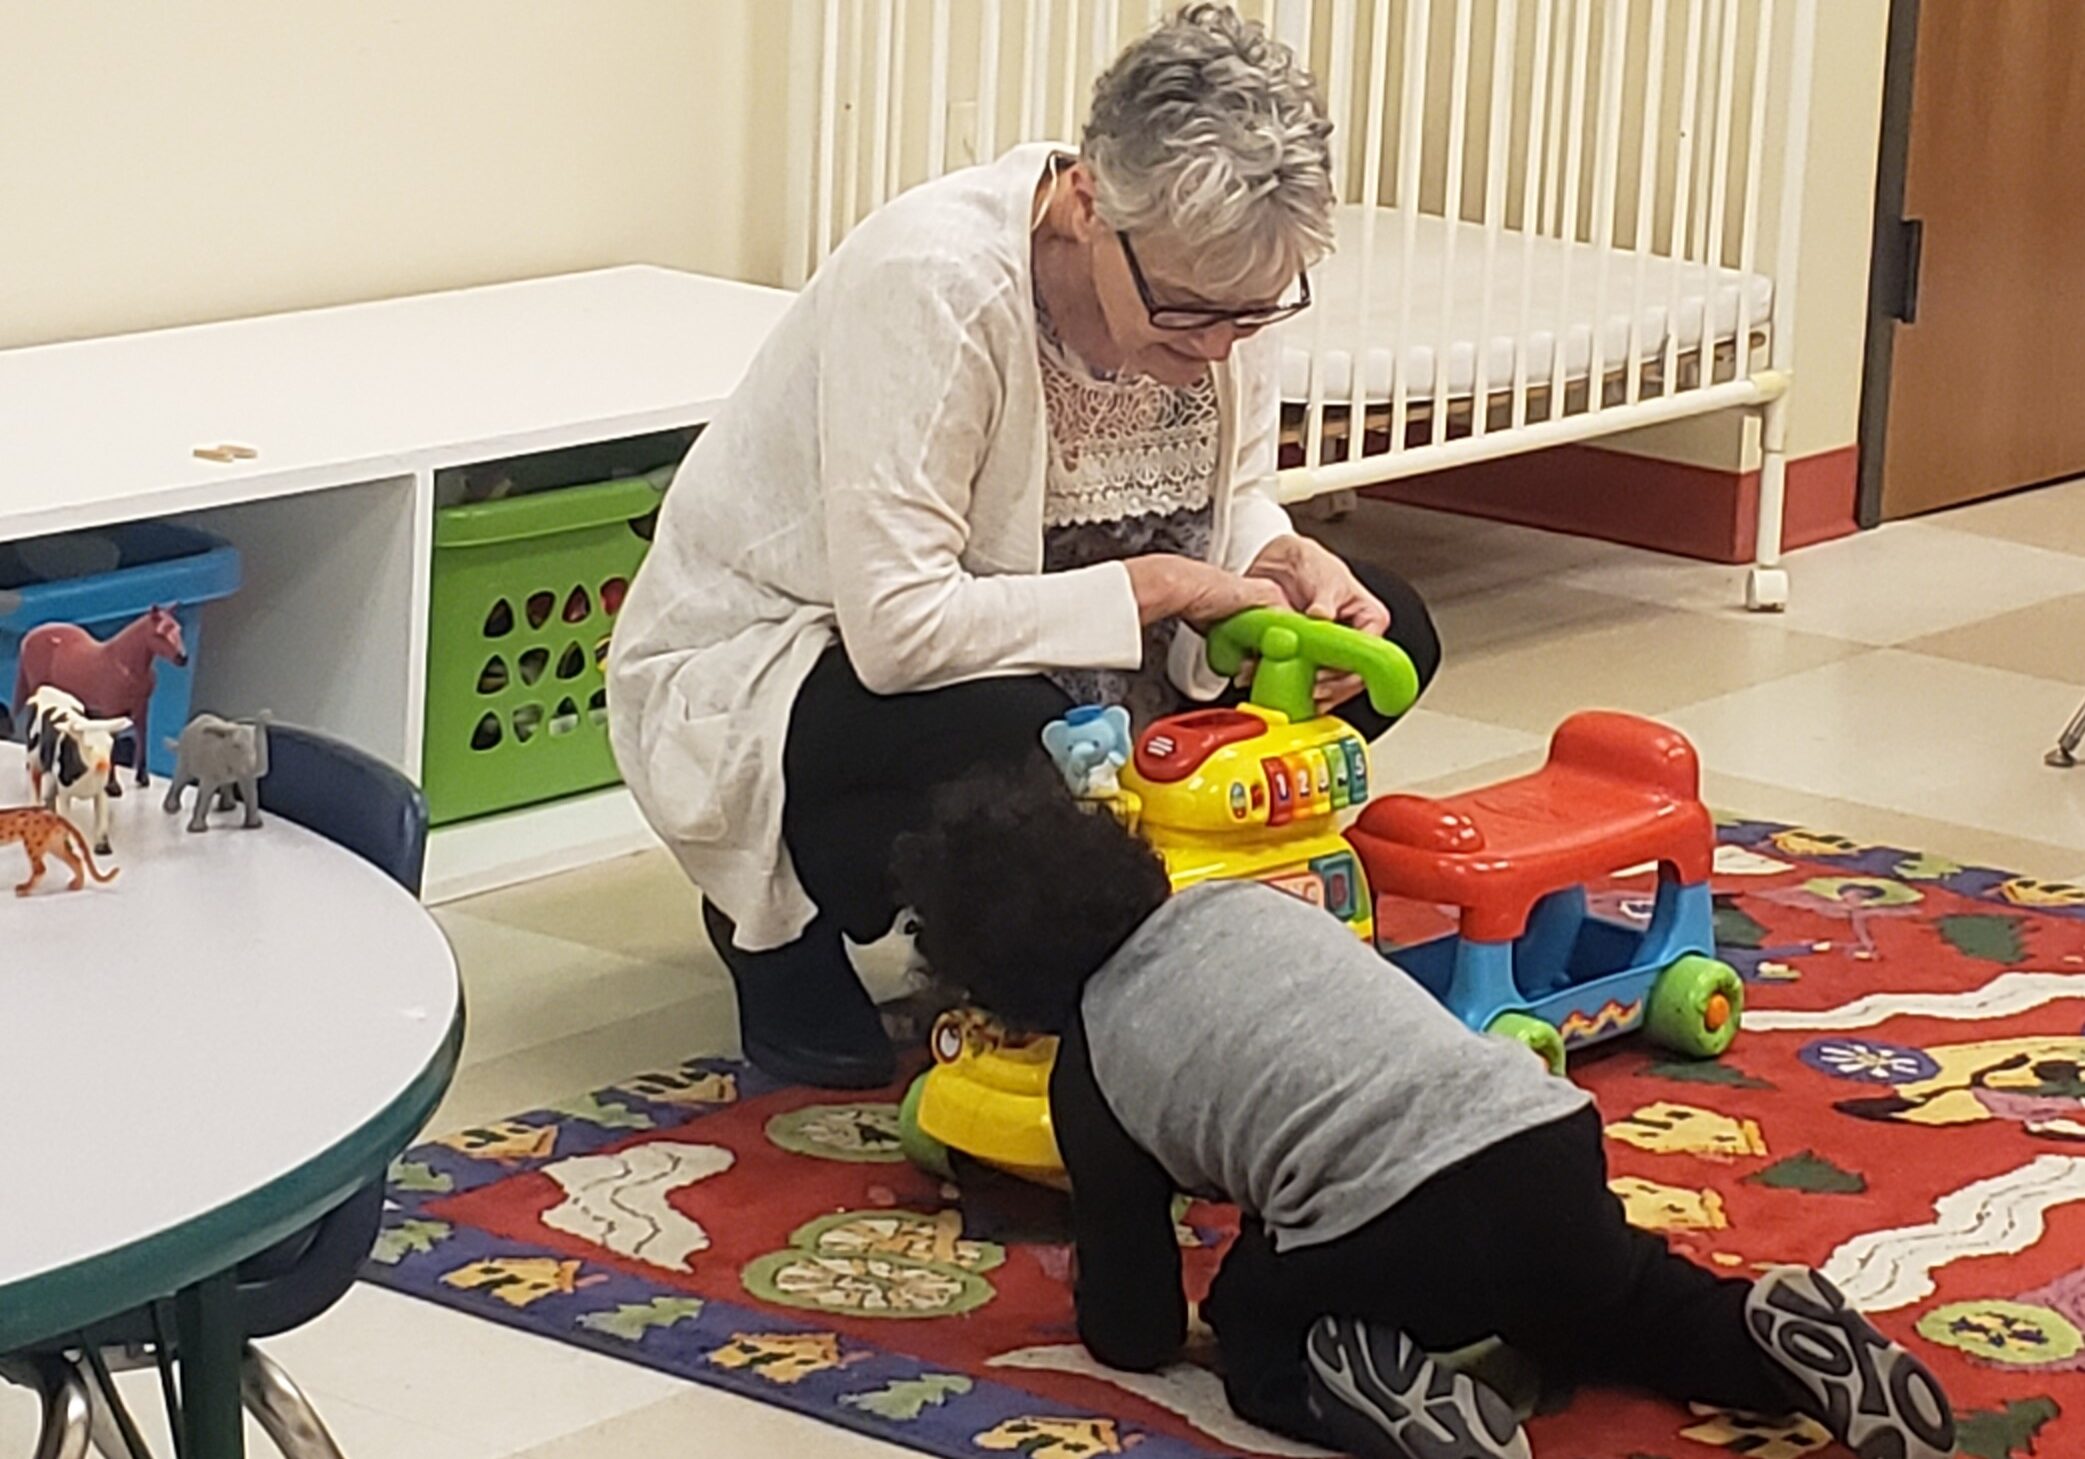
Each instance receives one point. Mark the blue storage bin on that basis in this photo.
(103, 579)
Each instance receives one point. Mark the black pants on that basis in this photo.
(858, 767)
(1523, 1242)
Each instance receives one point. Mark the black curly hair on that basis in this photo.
(1021, 892)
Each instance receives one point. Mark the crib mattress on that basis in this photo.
(1709, 299)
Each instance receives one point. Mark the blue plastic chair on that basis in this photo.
(358, 802)
(350, 797)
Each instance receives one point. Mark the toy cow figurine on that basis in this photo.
(36, 711)
(224, 760)
(112, 679)
(77, 757)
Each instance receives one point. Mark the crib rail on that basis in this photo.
(1564, 218)
(889, 93)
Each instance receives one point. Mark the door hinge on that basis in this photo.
(1911, 249)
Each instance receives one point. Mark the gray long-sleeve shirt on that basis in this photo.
(1262, 1055)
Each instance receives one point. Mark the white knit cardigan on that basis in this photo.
(879, 474)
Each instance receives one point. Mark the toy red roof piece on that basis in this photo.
(1175, 747)
(1617, 790)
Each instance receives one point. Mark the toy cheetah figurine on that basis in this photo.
(46, 833)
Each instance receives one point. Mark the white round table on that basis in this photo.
(198, 1059)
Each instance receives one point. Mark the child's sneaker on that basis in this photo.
(1381, 1397)
(1874, 1397)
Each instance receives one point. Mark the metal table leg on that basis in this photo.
(274, 1398)
(212, 1349)
(64, 1433)
(2065, 755)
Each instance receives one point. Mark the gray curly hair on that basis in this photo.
(1208, 132)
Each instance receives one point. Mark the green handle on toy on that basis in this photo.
(1291, 648)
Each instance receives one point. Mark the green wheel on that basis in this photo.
(921, 1148)
(1541, 1039)
(1696, 1007)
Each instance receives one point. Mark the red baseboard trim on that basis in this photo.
(1668, 506)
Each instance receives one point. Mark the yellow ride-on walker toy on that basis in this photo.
(1253, 792)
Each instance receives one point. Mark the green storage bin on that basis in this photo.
(524, 596)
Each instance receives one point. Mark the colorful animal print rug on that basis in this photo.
(1906, 1109)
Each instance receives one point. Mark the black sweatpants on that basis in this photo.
(858, 767)
(1523, 1242)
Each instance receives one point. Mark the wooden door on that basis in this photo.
(1987, 385)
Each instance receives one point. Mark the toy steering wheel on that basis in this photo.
(1292, 648)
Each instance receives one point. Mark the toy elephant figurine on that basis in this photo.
(224, 760)
(1089, 745)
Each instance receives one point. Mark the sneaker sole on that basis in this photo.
(1873, 1395)
(1381, 1397)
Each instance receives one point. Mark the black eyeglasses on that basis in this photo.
(1186, 319)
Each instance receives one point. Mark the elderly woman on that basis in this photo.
(1007, 451)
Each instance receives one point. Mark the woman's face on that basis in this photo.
(1174, 356)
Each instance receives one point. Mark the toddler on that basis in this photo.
(1406, 1186)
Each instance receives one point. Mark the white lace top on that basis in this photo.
(1132, 463)
(1123, 447)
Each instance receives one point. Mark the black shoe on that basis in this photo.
(1381, 1397)
(1874, 1397)
(803, 1014)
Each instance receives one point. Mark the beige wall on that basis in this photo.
(163, 164)
(168, 163)
(1838, 223)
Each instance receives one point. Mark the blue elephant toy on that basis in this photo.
(1089, 745)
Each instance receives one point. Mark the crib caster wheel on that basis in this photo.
(1766, 590)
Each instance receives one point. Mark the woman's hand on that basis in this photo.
(1168, 586)
(1316, 580)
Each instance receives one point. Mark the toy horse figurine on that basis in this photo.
(113, 679)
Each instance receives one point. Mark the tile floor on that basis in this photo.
(1906, 697)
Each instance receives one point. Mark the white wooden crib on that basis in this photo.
(1563, 219)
